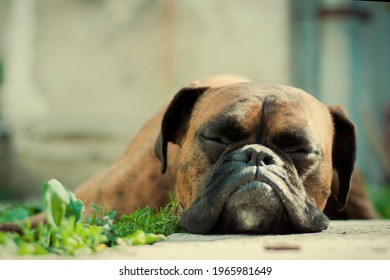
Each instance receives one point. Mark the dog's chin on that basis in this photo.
(239, 200)
(253, 208)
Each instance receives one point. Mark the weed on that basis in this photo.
(67, 234)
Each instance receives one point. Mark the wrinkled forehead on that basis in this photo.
(247, 105)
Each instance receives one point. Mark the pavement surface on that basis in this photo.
(352, 240)
(343, 240)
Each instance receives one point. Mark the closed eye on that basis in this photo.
(212, 145)
(295, 143)
(302, 151)
(216, 139)
(298, 151)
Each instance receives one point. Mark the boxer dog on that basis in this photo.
(241, 157)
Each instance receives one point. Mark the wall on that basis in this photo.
(82, 76)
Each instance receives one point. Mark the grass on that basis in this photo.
(380, 197)
(67, 233)
(156, 224)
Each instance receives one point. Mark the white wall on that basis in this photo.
(82, 76)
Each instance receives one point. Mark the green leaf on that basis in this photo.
(139, 237)
(75, 207)
(7, 244)
(17, 213)
(26, 249)
(56, 200)
(31, 249)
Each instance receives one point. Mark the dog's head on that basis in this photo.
(256, 158)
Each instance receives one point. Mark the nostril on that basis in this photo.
(267, 160)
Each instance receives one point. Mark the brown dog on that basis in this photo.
(240, 157)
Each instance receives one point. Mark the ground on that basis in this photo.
(342, 240)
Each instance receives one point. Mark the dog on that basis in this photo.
(241, 157)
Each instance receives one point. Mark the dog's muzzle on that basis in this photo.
(251, 190)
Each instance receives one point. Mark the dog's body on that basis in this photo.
(240, 157)
(210, 124)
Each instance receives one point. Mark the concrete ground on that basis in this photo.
(353, 240)
(343, 240)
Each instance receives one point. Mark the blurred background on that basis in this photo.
(78, 78)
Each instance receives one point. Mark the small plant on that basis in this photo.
(131, 227)
(66, 233)
(13, 211)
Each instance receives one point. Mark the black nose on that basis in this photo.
(255, 155)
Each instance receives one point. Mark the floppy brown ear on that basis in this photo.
(344, 155)
(175, 120)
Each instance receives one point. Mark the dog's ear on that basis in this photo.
(343, 154)
(175, 121)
